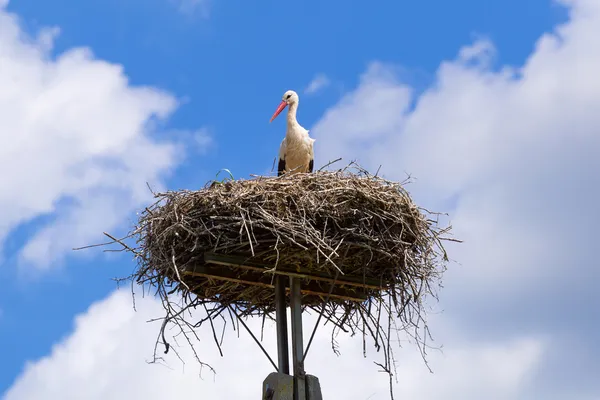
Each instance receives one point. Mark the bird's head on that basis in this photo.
(290, 97)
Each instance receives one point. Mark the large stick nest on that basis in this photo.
(354, 226)
(360, 243)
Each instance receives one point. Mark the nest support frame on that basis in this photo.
(238, 269)
(282, 280)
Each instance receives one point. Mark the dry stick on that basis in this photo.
(93, 245)
(210, 314)
(223, 331)
(255, 339)
(262, 327)
(213, 330)
(162, 333)
(375, 334)
(319, 319)
(389, 349)
(115, 240)
(177, 273)
(329, 163)
(247, 232)
(169, 317)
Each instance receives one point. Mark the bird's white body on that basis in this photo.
(296, 151)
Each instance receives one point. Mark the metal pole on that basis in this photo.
(297, 342)
(283, 355)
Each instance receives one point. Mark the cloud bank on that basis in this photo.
(512, 153)
(105, 357)
(78, 143)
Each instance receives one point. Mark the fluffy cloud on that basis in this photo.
(78, 142)
(319, 82)
(512, 153)
(105, 357)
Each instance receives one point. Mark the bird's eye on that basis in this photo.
(288, 96)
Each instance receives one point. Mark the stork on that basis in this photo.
(296, 150)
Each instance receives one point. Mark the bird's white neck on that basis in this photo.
(291, 115)
(295, 132)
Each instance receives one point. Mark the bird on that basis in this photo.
(296, 153)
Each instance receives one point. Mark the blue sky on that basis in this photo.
(492, 110)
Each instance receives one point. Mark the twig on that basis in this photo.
(255, 339)
(328, 164)
(121, 243)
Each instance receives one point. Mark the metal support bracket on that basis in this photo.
(297, 341)
(280, 385)
(283, 355)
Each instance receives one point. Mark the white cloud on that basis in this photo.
(512, 153)
(105, 358)
(319, 82)
(77, 142)
(510, 147)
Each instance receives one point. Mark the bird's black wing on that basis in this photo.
(311, 165)
(280, 167)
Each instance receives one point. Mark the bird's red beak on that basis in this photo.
(279, 110)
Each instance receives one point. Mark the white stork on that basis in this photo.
(296, 150)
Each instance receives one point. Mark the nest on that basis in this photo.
(358, 242)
